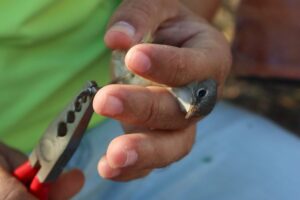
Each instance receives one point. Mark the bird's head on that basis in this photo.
(198, 98)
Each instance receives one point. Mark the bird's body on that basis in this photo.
(122, 74)
(195, 99)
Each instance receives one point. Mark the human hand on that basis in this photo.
(186, 48)
(67, 185)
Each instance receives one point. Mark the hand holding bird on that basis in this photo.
(196, 99)
(185, 52)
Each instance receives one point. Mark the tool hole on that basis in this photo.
(84, 99)
(77, 106)
(70, 117)
(62, 129)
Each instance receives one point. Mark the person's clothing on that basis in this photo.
(48, 51)
(266, 42)
(237, 156)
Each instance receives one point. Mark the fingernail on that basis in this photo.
(113, 173)
(106, 171)
(123, 27)
(112, 106)
(131, 158)
(139, 62)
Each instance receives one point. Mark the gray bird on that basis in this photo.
(196, 99)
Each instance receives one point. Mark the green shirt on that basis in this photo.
(49, 49)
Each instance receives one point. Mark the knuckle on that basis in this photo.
(179, 69)
(151, 113)
(156, 114)
(142, 9)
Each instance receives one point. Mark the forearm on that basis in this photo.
(204, 8)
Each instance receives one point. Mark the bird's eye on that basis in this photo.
(201, 93)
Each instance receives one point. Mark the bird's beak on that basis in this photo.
(191, 112)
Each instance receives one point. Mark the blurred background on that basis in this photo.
(277, 100)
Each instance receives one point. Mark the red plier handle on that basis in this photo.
(57, 144)
(26, 173)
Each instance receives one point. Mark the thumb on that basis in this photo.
(136, 18)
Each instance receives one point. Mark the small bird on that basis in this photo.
(196, 99)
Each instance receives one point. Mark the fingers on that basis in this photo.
(167, 65)
(193, 50)
(13, 158)
(151, 107)
(119, 174)
(173, 66)
(67, 185)
(136, 18)
(131, 154)
(11, 188)
(201, 52)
